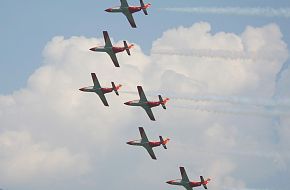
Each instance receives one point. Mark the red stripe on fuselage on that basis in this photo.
(118, 49)
(195, 184)
(134, 9)
(106, 90)
(154, 144)
(153, 104)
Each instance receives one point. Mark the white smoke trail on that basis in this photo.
(239, 11)
(236, 111)
(222, 99)
(238, 100)
(280, 154)
(230, 188)
(207, 53)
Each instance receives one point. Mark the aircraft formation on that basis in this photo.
(142, 102)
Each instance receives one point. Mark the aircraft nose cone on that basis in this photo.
(128, 143)
(108, 10)
(92, 49)
(81, 89)
(127, 103)
(169, 182)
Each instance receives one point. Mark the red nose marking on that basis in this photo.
(127, 103)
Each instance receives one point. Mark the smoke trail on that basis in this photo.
(279, 76)
(207, 53)
(254, 153)
(237, 111)
(230, 188)
(239, 11)
(239, 100)
(222, 99)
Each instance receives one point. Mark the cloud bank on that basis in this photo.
(55, 136)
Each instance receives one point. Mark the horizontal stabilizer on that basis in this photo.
(144, 7)
(201, 179)
(204, 182)
(163, 142)
(116, 88)
(145, 11)
(127, 48)
(163, 102)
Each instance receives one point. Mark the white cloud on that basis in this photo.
(24, 160)
(65, 133)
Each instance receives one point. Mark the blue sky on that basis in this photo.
(222, 120)
(27, 26)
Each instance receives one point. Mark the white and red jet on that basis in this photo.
(112, 50)
(188, 185)
(101, 91)
(145, 104)
(129, 10)
(149, 145)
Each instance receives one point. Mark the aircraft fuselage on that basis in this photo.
(96, 90)
(140, 143)
(109, 50)
(131, 9)
(187, 185)
(149, 104)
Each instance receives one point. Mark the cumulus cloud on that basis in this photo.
(23, 160)
(70, 135)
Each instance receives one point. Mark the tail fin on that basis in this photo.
(116, 88)
(128, 47)
(164, 142)
(144, 7)
(204, 183)
(163, 102)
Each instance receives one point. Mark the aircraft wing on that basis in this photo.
(95, 80)
(149, 113)
(124, 3)
(130, 18)
(150, 151)
(143, 135)
(103, 98)
(108, 42)
(202, 181)
(114, 59)
(141, 94)
(183, 174)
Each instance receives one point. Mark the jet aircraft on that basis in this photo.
(129, 10)
(145, 104)
(149, 145)
(188, 185)
(112, 50)
(101, 91)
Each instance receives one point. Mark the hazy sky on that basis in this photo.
(226, 73)
(27, 26)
